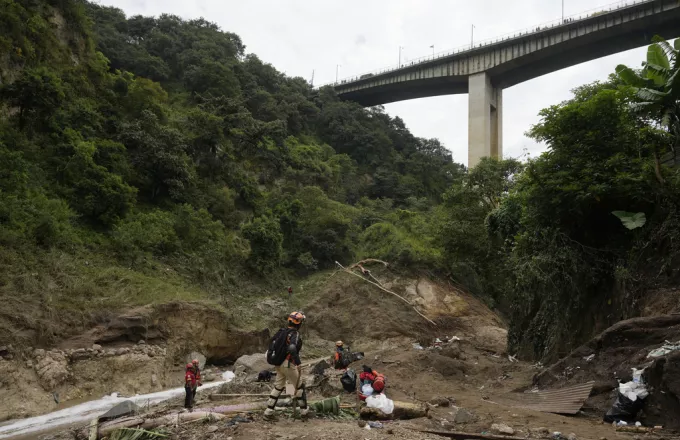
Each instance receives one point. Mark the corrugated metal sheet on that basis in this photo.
(568, 400)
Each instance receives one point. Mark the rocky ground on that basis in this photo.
(465, 383)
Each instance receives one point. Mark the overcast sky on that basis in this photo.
(301, 36)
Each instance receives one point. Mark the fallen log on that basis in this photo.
(468, 435)
(228, 396)
(402, 410)
(105, 429)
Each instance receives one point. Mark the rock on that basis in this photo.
(320, 367)
(141, 342)
(502, 428)
(212, 428)
(464, 416)
(540, 432)
(253, 363)
(38, 352)
(29, 364)
(198, 356)
(572, 436)
(440, 401)
(96, 347)
(52, 370)
(154, 379)
(80, 354)
(362, 423)
(122, 351)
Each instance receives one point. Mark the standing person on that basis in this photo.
(287, 371)
(197, 373)
(338, 358)
(290, 292)
(189, 386)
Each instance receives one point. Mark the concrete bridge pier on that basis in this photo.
(485, 119)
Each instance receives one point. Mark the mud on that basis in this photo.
(474, 373)
(616, 351)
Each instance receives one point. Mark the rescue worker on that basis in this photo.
(290, 371)
(197, 373)
(337, 357)
(189, 386)
(371, 377)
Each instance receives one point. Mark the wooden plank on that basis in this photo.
(228, 396)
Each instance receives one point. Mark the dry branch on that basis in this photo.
(385, 290)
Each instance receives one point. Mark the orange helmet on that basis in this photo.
(296, 318)
(195, 362)
(190, 366)
(379, 383)
(339, 344)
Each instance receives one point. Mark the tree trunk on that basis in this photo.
(657, 167)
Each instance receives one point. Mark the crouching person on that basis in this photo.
(284, 354)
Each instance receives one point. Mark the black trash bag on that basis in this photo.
(349, 381)
(357, 356)
(623, 409)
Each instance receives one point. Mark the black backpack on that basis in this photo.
(349, 381)
(346, 358)
(278, 347)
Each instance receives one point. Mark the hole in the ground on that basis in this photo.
(220, 361)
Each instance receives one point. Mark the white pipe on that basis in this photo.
(88, 410)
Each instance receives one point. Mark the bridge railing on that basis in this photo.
(489, 41)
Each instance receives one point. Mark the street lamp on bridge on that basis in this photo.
(337, 67)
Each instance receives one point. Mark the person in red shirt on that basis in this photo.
(197, 373)
(373, 378)
(189, 386)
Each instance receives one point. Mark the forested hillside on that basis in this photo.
(134, 148)
(149, 159)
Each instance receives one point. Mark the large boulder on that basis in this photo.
(196, 355)
(123, 409)
(663, 381)
(253, 363)
(52, 370)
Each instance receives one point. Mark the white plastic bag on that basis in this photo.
(367, 389)
(381, 402)
(637, 375)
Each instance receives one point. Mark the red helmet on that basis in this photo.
(190, 366)
(296, 318)
(195, 362)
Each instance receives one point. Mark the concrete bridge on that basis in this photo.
(484, 71)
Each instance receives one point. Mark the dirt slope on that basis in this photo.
(615, 352)
(367, 318)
